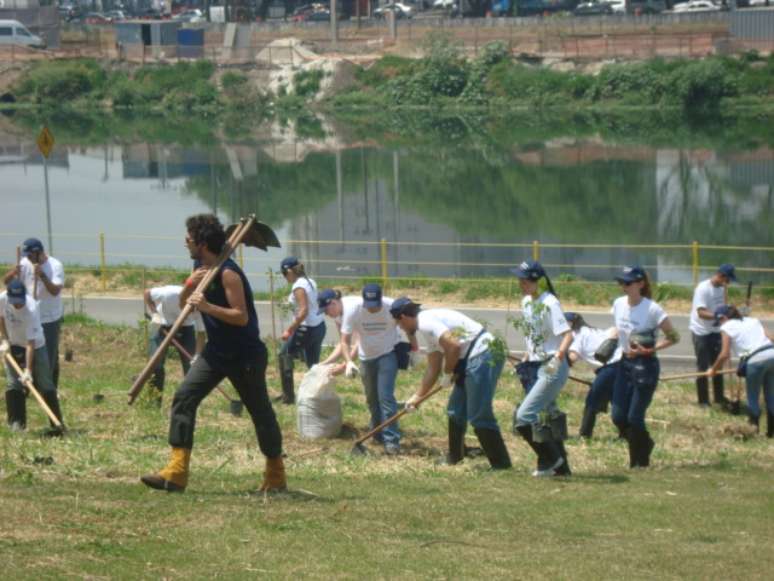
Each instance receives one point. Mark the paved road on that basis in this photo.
(128, 311)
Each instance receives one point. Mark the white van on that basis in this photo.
(14, 32)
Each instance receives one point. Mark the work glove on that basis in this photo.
(447, 380)
(194, 359)
(351, 370)
(156, 319)
(411, 404)
(553, 365)
(26, 376)
(5, 347)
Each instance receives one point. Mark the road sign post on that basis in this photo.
(45, 143)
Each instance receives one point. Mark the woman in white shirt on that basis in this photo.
(304, 336)
(638, 319)
(591, 345)
(747, 337)
(538, 419)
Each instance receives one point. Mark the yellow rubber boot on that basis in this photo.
(274, 479)
(174, 476)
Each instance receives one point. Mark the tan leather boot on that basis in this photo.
(274, 479)
(174, 476)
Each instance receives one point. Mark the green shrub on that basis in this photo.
(62, 81)
(307, 83)
(233, 83)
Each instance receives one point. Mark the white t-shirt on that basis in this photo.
(50, 306)
(586, 342)
(646, 316)
(545, 325)
(167, 301)
(310, 288)
(377, 331)
(709, 297)
(23, 324)
(432, 323)
(746, 336)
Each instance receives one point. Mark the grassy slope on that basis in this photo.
(703, 511)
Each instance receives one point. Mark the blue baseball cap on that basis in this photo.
(631, 274)
(404, 306)
(570, 317)
(372, 296)
(288, 263)
(17, 292)
(31, 245)
(722, 311)
(728, 271)
(324, 299)
(529, 269)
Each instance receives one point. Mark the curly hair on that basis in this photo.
(206, 229)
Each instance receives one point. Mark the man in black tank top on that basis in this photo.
(234, 349)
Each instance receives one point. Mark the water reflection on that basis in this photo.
(337, 189)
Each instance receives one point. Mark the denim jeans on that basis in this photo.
(249, 380)
(707, 349)
(186, 336)
(635, 384)
(41, 373)
(379, 382)
(51, 333)
(601, 390)
(542, 396)
(473, 401)
(760, 375)
(309, 347)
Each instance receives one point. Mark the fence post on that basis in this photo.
(102, 273)
(535, 250)
(271, 301)
(145, 325)
(695, 262)
(383, 260)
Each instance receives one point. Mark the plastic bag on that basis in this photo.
(318, 407)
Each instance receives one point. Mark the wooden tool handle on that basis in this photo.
(695, 375)
(36, 394)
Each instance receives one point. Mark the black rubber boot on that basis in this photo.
(16, 406)
(494, 448)
(702, 391)
(717, 393)
(754, 421)
(456, 443)
(770, 425)
(628, 435)
(286, 376)
(587, 423)
(564, 469)
(547, 455)
(640, 447)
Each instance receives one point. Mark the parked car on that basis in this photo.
(193, 15)
(115, 15)
(696, 6)
(592, 9)
(13, 32)
(301, 13)
(444, 3)
(618, 6)
(401, 10)
(761, 3)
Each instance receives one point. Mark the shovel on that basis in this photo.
(359, 448)
(694, 375)
(250, 232)
(235, 406)
(515, 359)
(29, 385)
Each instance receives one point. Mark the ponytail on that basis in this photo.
(550, 286)
(733, 313)
(646, 291)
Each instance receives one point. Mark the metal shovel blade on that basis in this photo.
(359, 449)
(258, 236)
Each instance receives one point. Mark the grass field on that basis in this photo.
(74, 507)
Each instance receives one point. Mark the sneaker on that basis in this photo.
(549, 472)
(392, 449)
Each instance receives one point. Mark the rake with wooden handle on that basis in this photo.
(36, 394)
(250, 232)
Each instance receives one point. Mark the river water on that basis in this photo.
(450, 194)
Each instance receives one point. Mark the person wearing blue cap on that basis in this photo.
(331, 303)
(548, 336)
(304, 336)
(754, 345)
(638, 319)
(458, 352)
(44, 277)
(599, 348)
(708, 296)
(21, 336)
(369, 317)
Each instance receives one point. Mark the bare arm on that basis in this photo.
(148, 301)
(433, 370)
(723, 356)
(190, 285)
(53, 289)
(303, 311)
(11, 274)
(30, 362)
(705, 313)
(236, 313)
(564, 346)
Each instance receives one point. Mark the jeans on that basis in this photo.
(51, 333)
(186, 336)
(307, 348)
(760, 374)
(601, 390)
(707, 349)
(472, 402)
(379, 382)
(541, 397)
(41, 373)
(635, 384)
(249, 380)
